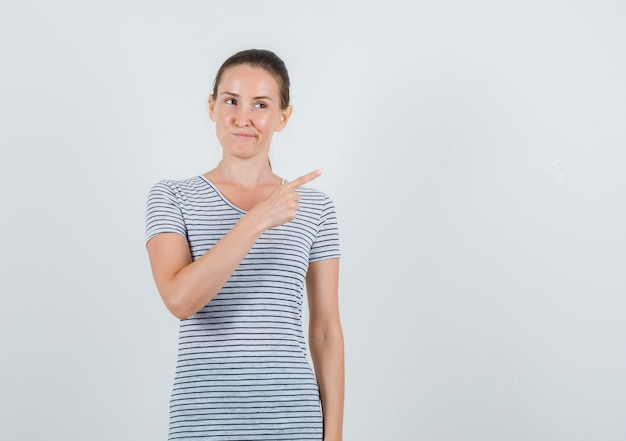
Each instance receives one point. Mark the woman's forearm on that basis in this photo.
(327, 352)
(189, 288)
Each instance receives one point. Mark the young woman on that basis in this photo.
(231, 252)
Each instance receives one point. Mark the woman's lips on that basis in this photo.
(243, 136)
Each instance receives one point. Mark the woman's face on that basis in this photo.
(247, 111)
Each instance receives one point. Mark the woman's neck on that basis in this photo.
(244, 174)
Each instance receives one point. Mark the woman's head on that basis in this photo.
(249, 103)
(263, 59)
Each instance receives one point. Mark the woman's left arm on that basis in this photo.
(326, 342)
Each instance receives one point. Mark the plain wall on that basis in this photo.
(476, 155)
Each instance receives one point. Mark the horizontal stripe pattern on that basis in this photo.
(242, 371)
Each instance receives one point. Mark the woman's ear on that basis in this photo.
(285, 114)
(212, 107)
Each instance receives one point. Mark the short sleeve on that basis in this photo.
(163, 212)
(326, 244)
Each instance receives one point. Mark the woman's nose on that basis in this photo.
(242, 116)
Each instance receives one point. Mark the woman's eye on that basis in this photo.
(260, 105)
(230, 101)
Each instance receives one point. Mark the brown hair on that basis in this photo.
(264, 59)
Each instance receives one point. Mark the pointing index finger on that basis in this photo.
(304, 179)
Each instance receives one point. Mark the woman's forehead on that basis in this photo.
(248, 80)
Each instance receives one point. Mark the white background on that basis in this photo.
(476, 155)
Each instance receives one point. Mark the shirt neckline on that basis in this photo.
(224, 198)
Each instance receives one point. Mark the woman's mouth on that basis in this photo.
(243, 136)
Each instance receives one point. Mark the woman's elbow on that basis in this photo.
(176, 305)
(324, 335)
(180, 313)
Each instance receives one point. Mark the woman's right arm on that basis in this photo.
(186, 286)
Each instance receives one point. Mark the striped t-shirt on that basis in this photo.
(242, 371)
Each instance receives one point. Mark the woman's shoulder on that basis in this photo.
(313, 193)
(315, 199)
(187, 191)
(177, 185)
(191, 181)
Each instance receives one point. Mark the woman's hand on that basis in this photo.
(282, 204)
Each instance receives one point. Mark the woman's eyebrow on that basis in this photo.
(236, 95)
